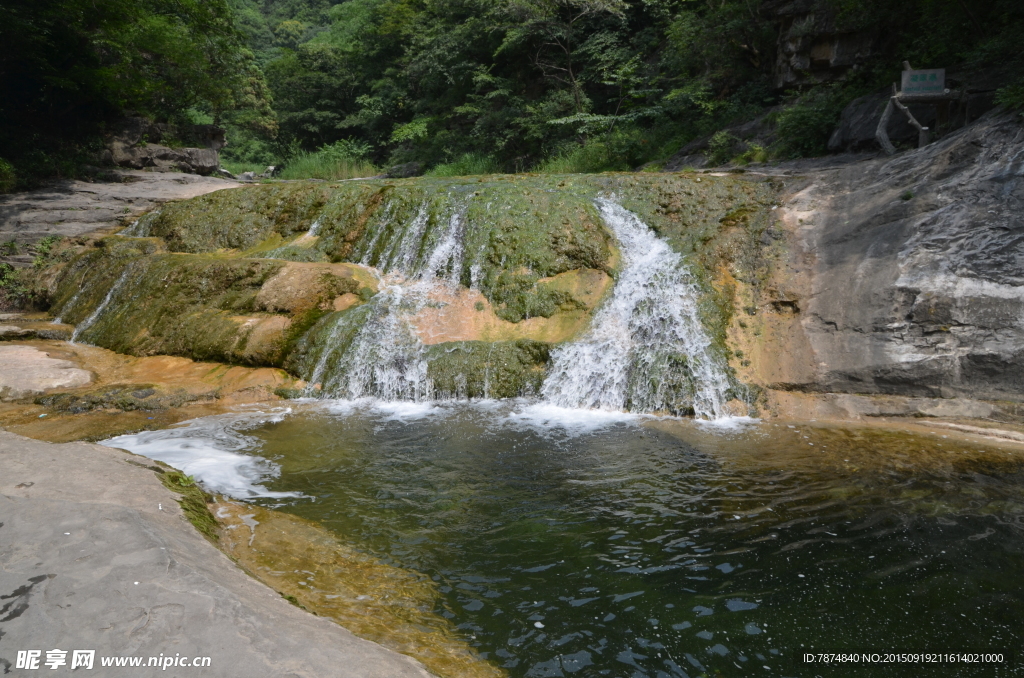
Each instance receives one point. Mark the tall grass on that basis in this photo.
(592, 157)
(327, 166)
(470, 163)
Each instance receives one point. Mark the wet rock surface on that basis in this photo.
(95, 553)
(906, 275)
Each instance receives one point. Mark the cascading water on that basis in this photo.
(95, 315)
(373, 351)
(646, 350)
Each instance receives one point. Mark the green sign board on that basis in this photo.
(924, 82)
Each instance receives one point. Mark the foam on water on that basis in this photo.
(647, 350)
(212, 450)
(728, 423)
(545, 416)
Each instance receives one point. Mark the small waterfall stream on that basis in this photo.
(373, 351)
(95, 315)
(646, 350)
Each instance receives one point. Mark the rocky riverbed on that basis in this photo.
(881, 291)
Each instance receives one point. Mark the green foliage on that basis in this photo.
(754, 153)
(8, 179)
(1012, 96)
(720, 148)
(462, 87)
(44, 248)
(344, 159)
(69, 68)
(468, 164)
(14, 293)
(805, 126)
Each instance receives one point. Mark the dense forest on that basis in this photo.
(459, 86)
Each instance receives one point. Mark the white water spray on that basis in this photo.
(646, 350)
(374, 351)
(94, 316)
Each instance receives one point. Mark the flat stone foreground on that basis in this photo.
(95, 554)
(27, 371)
(72, 208)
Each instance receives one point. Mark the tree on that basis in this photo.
(557, 23)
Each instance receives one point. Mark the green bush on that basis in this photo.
(8, 180)
(720, 148)
(1012, 96)
(579, 159)
(754, 153)
(805, 126)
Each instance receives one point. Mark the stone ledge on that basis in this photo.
(97, 554)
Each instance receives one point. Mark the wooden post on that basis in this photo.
(881, 132)
(923, 133)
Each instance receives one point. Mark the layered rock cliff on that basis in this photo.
(903, 275)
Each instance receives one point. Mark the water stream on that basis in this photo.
(595, 543)
(91, 319)
(646, 351)
(646, 348)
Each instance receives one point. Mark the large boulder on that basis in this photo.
(140, 143)
(203, 161)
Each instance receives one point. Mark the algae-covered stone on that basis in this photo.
(496, 270)
(476, 369)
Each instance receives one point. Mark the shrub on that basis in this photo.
(579, 159)
(8, 180)
(804, 127)
(345, 159)
(720, 148)
(1012, 96)
(754, 153)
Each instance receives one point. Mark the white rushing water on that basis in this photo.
(94, 316)
(373, 351)
(213, 450)
(647, 350)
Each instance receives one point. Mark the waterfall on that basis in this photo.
(94, 316)
(374, 350)
(70, 304)
(140, 227)
(646, 350)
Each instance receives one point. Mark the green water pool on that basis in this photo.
(576, 544)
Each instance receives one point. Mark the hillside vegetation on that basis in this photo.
(459, 86)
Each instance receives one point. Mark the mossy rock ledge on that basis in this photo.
(259, 275)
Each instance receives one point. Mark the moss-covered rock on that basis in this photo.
(476, 369)
(270, 274)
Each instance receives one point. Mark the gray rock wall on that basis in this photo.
(909, 271)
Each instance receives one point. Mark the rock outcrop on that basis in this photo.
(81, 208)
(137, 145)
(904, 276)
(813, 48)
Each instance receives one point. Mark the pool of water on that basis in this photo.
(583, 544)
